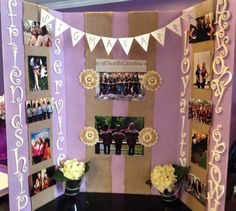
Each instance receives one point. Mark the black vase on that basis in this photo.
(72, 187)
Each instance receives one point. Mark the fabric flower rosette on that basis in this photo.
(152, 81)
(148, 137)
(71, 171)
(89, 79)
(167, 180)
(89, 136)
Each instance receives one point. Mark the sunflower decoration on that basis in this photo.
(152, 81)
(88, 79)
(148, 137)
(89, 136)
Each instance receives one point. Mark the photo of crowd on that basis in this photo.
(199, 149)
(196, 187)
(200, 111)
(202, 70)
(38, 74)
(38, 110)
(36, 36)
(120, 86)
(119, 135)
(204, 29)
(40, 145)
(41, 180)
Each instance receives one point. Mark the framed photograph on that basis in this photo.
(38, 110)
(38, 73)
(202, 73)
(119, 135)
(203, 31)
(40, 146)
(200, 111)
(36, 36)
(41, 180)
(120, 79)
(199, 150)
(196, 188)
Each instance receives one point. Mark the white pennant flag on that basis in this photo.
(143, 41)
(159, 35)
(76, 35)
(190, 16)
(46, 18)
(126, 43)
(60, 27)
(92, 41)
(109, 43)
(175, 26)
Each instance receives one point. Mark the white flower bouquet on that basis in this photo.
(71, 170)
(165, 177)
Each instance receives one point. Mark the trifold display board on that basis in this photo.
(165, 76)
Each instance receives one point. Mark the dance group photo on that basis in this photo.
(38, 74)
(38, 110)
(202, 70)
(41, 180)
(40, 144)
(204, 29)
(197, 188)
(119, 135)
(120, 86)
(200, 111)
(199, 149)
(36, 36)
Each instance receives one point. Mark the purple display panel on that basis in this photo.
(120, 28)
(58, 91)
(75, 108)
(3, 145)
(14, 79)
(166, 106)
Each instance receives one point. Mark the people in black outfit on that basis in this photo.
(131, 138)
(118, 137)
(106, 136)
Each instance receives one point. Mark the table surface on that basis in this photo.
(113, 202)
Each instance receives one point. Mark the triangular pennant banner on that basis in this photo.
(190, 16)
(92, 41)
(159, 35)
(60, 27)
(126, 43)
(175, 26)
(76, 35)
(109, 43)
(46, 18)
(143, 41)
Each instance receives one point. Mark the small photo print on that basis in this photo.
(36, 36)
(200, 111)
(203, 31)
(40, 146)
(41, 180)
(38, 73)
(119, 135)
(202, 73)
(38, 110)
(199, 149)
(120, 86)
(196, 187)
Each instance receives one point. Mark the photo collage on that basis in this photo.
(39, 106)
(200, 105)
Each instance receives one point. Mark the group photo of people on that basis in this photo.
(41, 180)
(40, 144)
(196, 187)
(200, 111)
(36, 36)
(38, 73)
(119, 135)
(120, 86)
(202, 70)
(38, 110)
(199, 149)
(204, 29)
